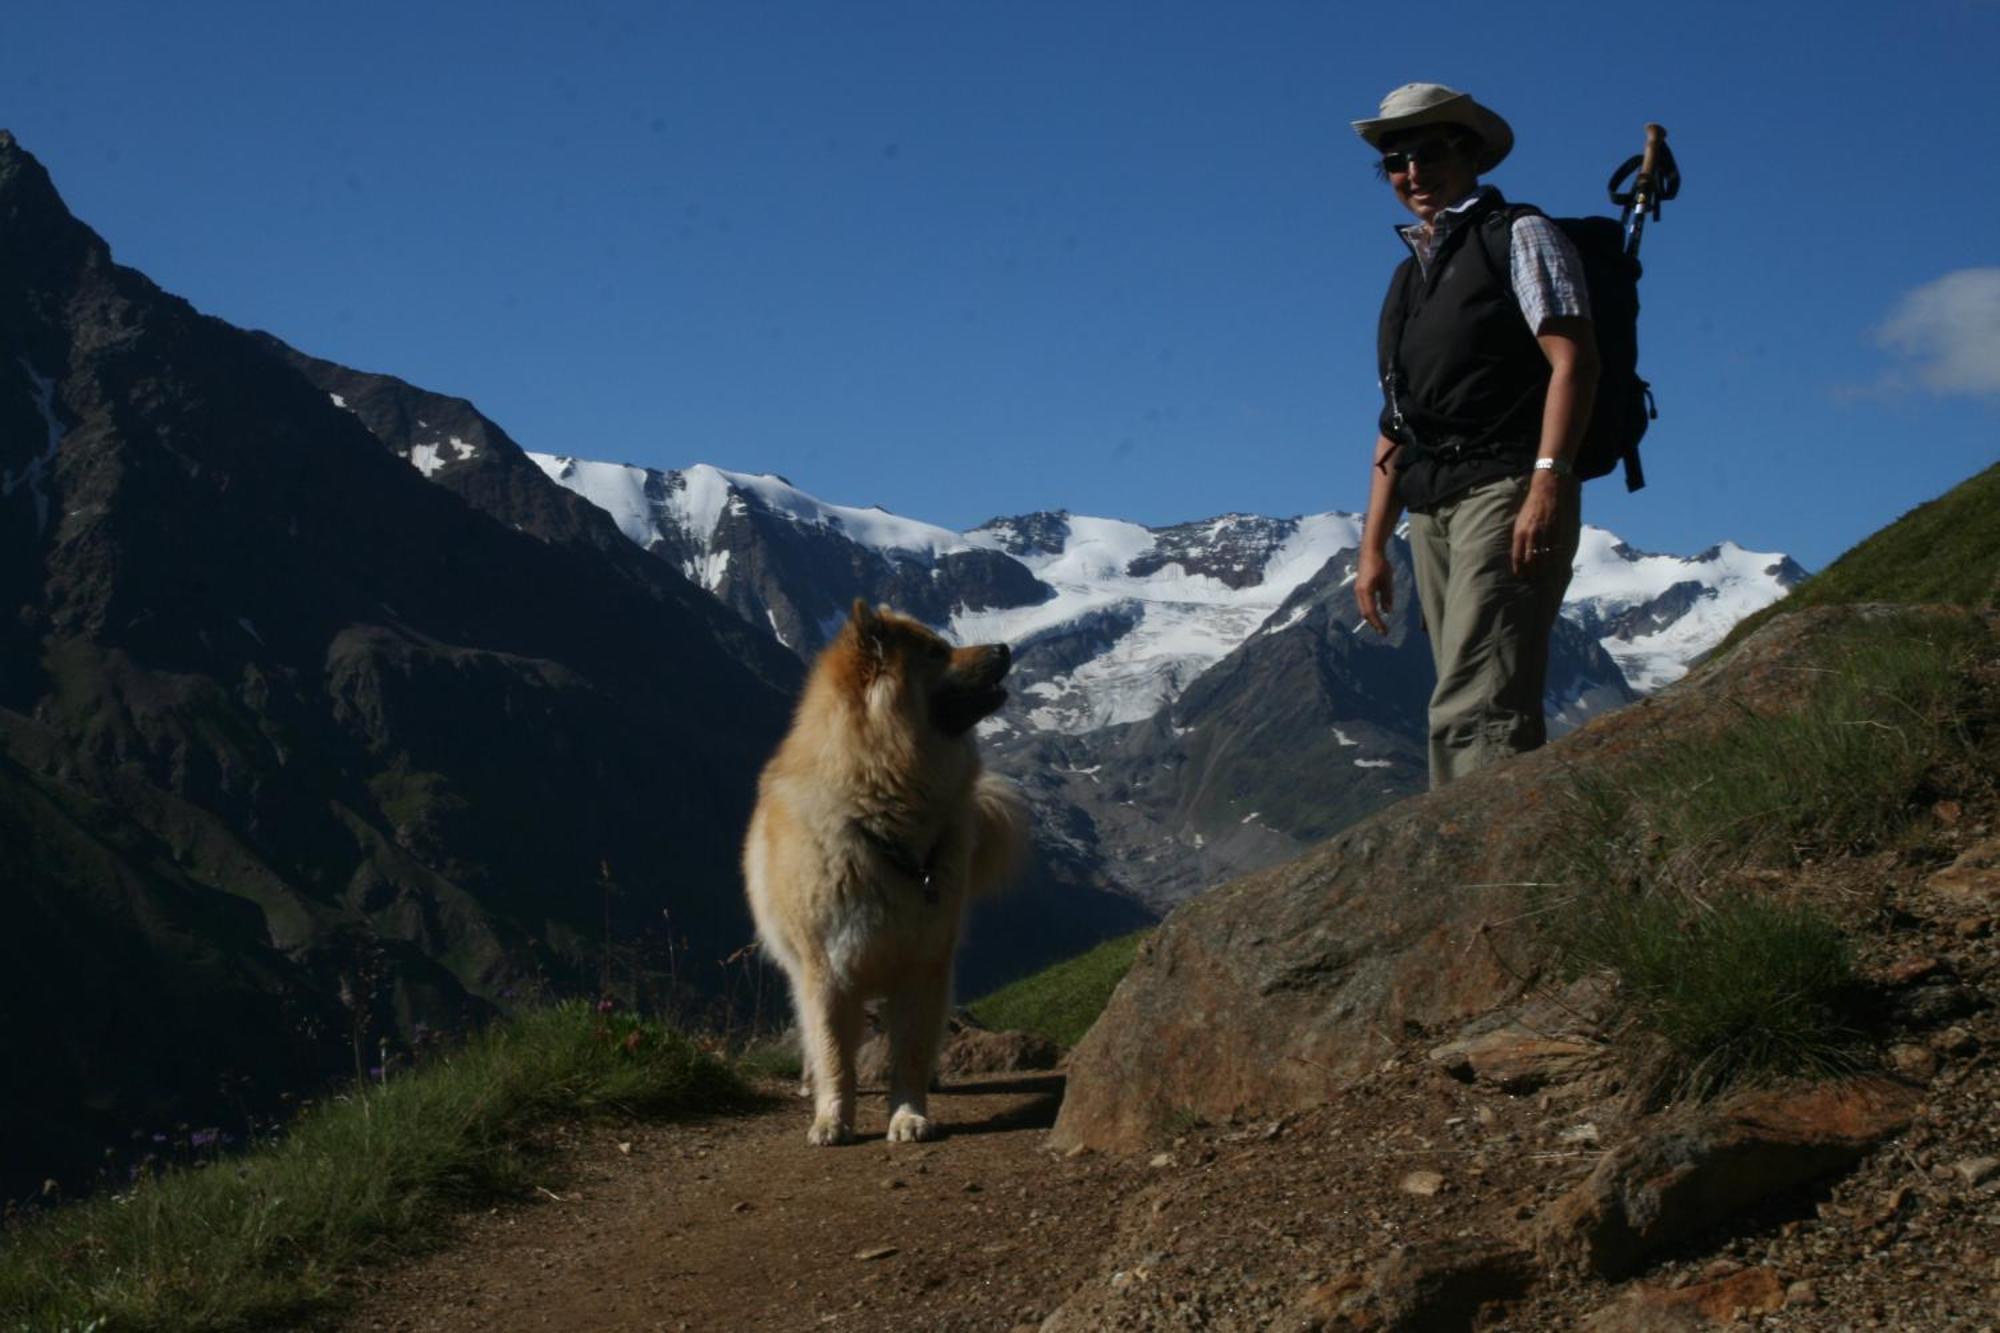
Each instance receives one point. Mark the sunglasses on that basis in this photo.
(1427, 153)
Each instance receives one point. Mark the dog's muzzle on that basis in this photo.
(971, 692)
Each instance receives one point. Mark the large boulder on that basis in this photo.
(1276, 991)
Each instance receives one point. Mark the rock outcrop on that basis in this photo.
(1684, 1174)
(1274, 992)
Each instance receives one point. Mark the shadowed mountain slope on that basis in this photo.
(298, 749)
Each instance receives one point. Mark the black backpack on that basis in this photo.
(1624, 402)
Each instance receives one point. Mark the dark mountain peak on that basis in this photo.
(1788, 572)
(1232, 549)
(20, 169)
(42, 235)
(1042, 533)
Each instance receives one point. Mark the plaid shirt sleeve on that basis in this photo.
(1546, 272)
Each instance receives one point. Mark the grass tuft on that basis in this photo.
(1741, 983)
(1881, 707)
(1062, 1001)
(263, 1238)
(1737, 988)
(773, 1057)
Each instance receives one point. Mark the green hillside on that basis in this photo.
(1945, 551)
(1061, 1002)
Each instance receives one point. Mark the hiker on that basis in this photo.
(1488, 373)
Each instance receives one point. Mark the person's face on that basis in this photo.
(1430, 170)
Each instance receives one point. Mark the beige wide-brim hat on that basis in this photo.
(1415, 105)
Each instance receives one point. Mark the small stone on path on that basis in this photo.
(1977, 1170)
(1425, 1183)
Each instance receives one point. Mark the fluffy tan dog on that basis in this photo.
(874, 828)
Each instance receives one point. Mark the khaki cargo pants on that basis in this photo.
(1489, 629)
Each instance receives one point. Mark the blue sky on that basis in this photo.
(972, 259)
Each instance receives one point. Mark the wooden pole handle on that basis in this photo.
(1656, 138)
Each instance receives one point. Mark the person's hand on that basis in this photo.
(1375, 590)
(1535, 527)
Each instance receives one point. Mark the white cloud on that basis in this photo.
(1948, 332)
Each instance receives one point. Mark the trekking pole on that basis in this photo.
(1657, 179)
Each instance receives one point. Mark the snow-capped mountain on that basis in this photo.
(1655, 614)
(1160, 607)
(789, 562)
(1111, 621)
(1190, 702)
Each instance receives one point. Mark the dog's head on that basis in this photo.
(902, 665)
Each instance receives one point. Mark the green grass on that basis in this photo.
(1944, 552)
(1061, 1002)
(263, 1238)
(1882, 704)
(1737, 987)
(1653, 859)
(775, 1057)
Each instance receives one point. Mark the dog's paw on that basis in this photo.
(828, 1132)
(908, 1127)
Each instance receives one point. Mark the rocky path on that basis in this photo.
(736, 1223)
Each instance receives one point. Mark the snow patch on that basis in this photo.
(39, 467)
(701, 495)
(1298, 613)
(428, 458)
(617, 488)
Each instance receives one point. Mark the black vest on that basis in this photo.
(1463, 377)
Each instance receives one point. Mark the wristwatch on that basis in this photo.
(1559, 466)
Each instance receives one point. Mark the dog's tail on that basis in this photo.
(999, 833)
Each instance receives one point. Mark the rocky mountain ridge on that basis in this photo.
(1175, 599)
(1191, 702)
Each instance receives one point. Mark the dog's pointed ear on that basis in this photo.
(867, 626)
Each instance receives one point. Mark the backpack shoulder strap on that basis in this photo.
(1496, 236)
(1395, 309)
(1388, 338)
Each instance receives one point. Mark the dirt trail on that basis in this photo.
(736, 1223)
